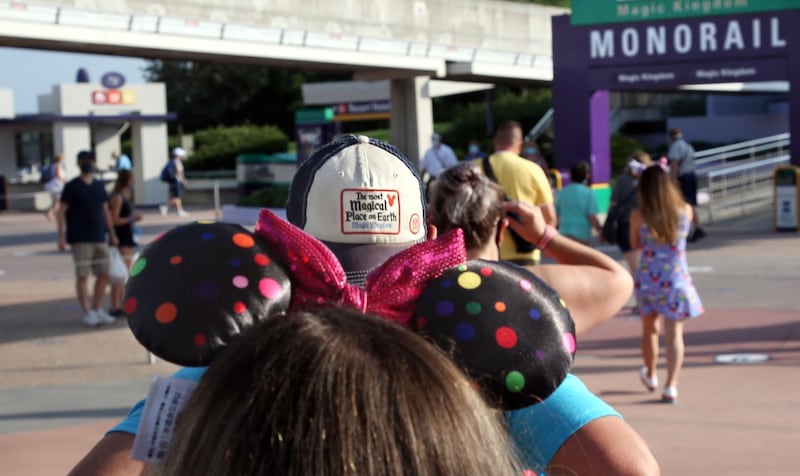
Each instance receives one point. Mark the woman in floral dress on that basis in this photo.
(663, 285)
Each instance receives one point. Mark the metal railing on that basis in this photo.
(738, 178)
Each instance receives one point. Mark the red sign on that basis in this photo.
(108, 96)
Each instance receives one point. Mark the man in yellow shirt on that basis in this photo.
(522, 180)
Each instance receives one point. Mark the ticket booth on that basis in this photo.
(787, 196)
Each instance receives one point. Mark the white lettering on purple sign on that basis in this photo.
(684, 38)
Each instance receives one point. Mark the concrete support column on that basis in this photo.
(411, 123)
(70, 138)
(150, 154)
(106, 141)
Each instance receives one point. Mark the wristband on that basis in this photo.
(547, 237)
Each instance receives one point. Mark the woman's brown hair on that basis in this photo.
(462, 197)
(123, 179)
(660, 203)
(336, 392)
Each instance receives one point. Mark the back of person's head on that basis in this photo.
(462, 197)
(362, 198)
(124, 177)
(508, 135)
(85, 156)
(579, 172)
(675, 133)
(660, 202)
(336, 392)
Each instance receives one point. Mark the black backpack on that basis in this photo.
(610, 230)
(168, 173)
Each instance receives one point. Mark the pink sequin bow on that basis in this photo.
(391, 290)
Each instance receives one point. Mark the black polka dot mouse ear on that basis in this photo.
(200, 285)
(504, 326)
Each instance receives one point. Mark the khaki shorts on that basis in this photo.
(90, 257)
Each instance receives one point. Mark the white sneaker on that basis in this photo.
(651, 383)
(182, 213)
(163, 210)
(90, 318)
(103, 317)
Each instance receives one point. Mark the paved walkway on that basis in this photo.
(62, 385)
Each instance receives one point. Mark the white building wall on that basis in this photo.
(149, 156)
(6, 103)
(150, 146)
(70, 138)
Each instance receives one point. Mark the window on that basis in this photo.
(34, 148)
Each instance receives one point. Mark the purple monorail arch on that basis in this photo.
(590, 61)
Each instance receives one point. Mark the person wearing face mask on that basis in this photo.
(531, 152)
(84, 218)
(474, 151)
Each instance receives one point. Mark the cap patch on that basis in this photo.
(370, 211)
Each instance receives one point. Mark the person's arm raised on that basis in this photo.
(594, 286)
(111, 456)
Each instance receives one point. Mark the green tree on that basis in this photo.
(215, 94)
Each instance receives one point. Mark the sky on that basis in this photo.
(30, 73)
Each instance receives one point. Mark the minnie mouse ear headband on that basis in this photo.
(635, 166)
(200, 285)
(504, 326)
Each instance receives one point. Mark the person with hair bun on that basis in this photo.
(572, 431)
(336, 392)
(659, 227)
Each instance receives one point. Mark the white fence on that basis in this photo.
(738, 178)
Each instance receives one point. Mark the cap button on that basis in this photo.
(363, 139)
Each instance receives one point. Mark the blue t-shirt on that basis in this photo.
(541, 429)
(124, 162)
(574, 204)
(538, 430)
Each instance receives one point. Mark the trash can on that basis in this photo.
(787, 194)
(255, 171)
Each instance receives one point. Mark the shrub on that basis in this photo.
(275, 196)
(217, 148)
(622, 147)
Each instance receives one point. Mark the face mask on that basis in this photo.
(87, 167)
(473, 149)
(530, 150)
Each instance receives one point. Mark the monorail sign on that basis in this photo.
(720, 37)
(681, 43)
